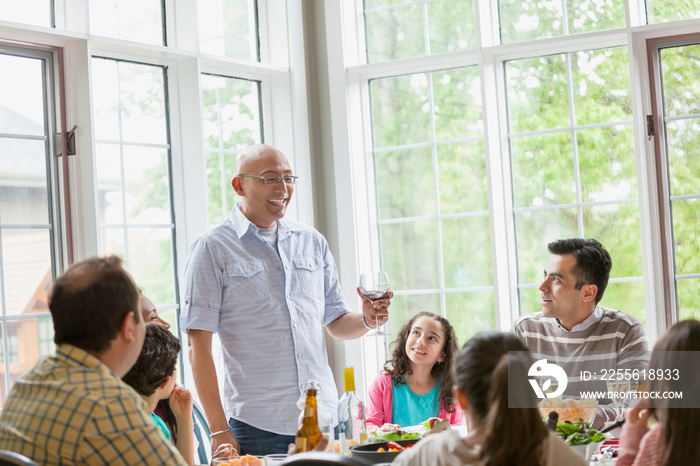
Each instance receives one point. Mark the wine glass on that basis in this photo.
(619, 390)
(374, 286)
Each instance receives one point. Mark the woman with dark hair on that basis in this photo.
(488, 366)
(417, 383)
(673, 440)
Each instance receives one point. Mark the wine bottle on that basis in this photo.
(352, 428)
(309, 434)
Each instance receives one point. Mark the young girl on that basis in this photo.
(153, 377)
(673, 440)
(488, 365)
(416, 384)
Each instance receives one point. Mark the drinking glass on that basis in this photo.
(620, 391)
(374, 286)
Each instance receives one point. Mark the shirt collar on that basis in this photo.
(588, 322)
(242, 225)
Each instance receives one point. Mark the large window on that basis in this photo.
(530, 127)
(132, 159)
(678, 105)
(573, 166)
(30, 240)
(430, 177)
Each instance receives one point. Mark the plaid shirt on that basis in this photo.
(72, 409)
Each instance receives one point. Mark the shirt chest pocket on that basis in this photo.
(309, 271)
(248, 281)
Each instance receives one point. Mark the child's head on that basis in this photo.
(156, 362)
(426, 338)
(489, 368)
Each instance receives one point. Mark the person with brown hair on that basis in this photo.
(673, 439)
(153, 377)
(491, 371)
(417, 382)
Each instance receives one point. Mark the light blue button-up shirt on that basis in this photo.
(269, 308)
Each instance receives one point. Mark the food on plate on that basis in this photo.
(570, 409)
(406, 433)
(577, 433)
(247, 460)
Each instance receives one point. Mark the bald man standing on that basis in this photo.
(268, 286)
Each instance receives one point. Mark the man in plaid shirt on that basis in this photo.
(72, 407)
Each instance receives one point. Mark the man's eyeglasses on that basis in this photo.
(288, 179)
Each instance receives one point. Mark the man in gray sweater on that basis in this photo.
(593, 344)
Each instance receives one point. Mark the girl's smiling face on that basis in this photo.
(425, 342)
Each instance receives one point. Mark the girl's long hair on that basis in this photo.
(679, 420)
(487, 373)
(400, 365)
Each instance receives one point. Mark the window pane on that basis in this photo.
(537, 93)
(398, 173)
(626, 296)
(147, 184)
(601, 86)
(470, 313)
(23, 183)
(232, 120)
(686, 235)
(523, 20)
(397, 30)
(543, 170)
(467, 263)
(152, 263)
(680, 66)
(607, 163)
(24, 332)
(457, 103)
(26, 269)
(660, 11)
(37, 12)
(135, 20)
(21, 95)
(688, 298)
(409, 255)
(400, 110)
(683, 147)
(462, 177)
(229, 28)
(110, 193)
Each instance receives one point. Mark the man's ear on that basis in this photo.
(128, 327)
(590, 292)
(236, 183)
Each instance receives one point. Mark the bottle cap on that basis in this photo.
(349, 373)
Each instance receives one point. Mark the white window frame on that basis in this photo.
(349, 101)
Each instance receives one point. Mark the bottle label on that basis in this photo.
(308, 411)
(301, 444)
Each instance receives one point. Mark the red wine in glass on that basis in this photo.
(374, 286)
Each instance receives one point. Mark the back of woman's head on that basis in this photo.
(487, 366)
(679, 417)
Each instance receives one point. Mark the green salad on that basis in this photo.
(578, 433)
